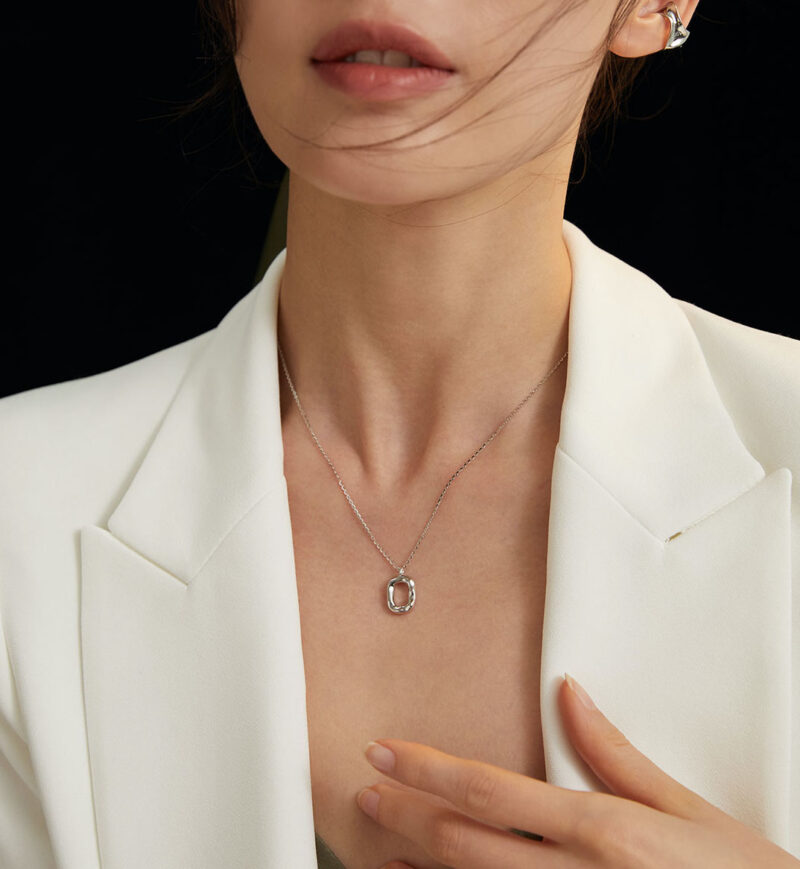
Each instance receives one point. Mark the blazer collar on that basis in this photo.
(640, 414)
(220, 446)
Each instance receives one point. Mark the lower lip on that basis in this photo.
(374, 81)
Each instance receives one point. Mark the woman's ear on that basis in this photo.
(646, 29)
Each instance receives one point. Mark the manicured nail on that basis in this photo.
(380, 756)
(367, 800)
(582, 695)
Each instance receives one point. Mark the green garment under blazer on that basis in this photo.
(326, 859)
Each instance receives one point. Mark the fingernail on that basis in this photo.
(582, 695)
(380, 756)
(367, 800)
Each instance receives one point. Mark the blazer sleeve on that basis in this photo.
(24, 840)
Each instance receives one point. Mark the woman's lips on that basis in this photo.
(361, 35)
(376, 82)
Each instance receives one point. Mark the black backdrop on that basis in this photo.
(131, 230)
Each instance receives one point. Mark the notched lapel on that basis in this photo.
(137, 649)
(192, 660)
(669, 556)
(195, 702)
(685, 645)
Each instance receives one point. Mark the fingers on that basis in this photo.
(457, 840)
(486, 792)
(623, 768)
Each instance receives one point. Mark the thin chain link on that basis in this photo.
(401, 569)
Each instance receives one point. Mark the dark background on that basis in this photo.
(131, 229)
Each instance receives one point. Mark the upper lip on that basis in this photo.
(361, 35)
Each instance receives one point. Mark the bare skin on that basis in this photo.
(425, 291)
(420, 675)
(462, 668)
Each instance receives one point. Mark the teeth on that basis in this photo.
(384, 58)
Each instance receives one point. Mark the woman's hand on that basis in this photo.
(650, 820)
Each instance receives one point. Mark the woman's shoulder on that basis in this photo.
(140, 386)
(759, 347)
(73, 441)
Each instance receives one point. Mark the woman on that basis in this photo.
(202, 634)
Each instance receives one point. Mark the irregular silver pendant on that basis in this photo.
(395, 608)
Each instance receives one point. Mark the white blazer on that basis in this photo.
(152, 690)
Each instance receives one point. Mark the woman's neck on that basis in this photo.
(409, 341)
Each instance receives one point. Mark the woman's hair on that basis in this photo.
(612, 84)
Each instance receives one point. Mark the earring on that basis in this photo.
(678, 34)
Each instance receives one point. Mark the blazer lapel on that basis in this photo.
(668, 581)
(192, 659)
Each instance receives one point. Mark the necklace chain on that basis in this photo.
(401, 568)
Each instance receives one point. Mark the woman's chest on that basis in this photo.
(459, 672)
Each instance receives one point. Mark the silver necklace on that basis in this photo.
(401, 574)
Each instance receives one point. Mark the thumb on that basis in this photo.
(617, 763)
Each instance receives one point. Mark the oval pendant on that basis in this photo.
(404, 608)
